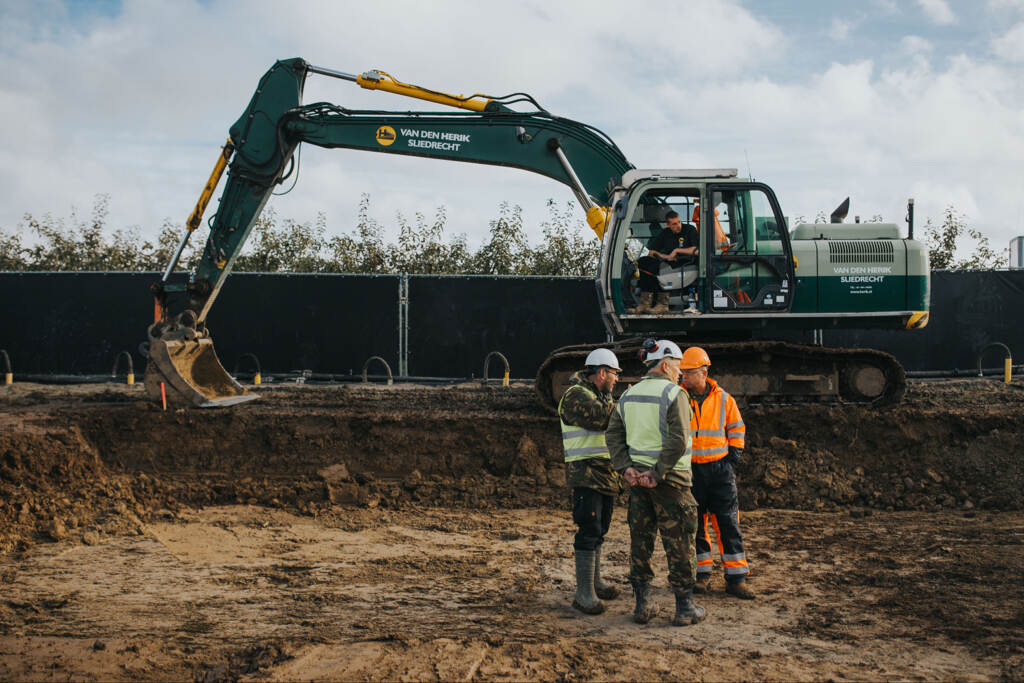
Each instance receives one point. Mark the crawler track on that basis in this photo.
(758, 372)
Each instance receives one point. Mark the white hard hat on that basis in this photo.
(664, 349)
(599, 357)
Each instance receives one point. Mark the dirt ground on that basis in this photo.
(351, 533)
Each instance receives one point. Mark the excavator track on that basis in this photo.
(755, 372)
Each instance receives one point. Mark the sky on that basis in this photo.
(879, 100)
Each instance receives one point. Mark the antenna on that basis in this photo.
(749, 174)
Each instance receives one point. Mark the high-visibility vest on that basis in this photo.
(579, 443)
(716, 424)
(644, 412)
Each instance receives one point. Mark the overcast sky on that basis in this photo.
(877, 99)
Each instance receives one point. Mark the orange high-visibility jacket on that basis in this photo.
(720, 236)
(716, 424)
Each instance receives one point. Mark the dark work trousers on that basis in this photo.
(649, 273)
(592, 513)
(714, 487)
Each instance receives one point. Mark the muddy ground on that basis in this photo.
(352, 532)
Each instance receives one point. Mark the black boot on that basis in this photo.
(585, 599)
(645, 609)
(603, 590)
(686, 611)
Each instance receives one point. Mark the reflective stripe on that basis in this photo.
(639, 399)
(700, 452)
(704, 557)
(649, 454)
(735, 434)
(734, 571)
(733, 425)
(709, 433)
(586, 450)
(737, 557)
(577, 433)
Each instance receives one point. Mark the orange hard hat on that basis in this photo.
(695, 357)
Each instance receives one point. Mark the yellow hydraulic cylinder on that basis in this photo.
(597, 218)
(379, 80)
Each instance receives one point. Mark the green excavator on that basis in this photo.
(751, 278)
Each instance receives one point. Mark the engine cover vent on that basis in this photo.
(860, 251)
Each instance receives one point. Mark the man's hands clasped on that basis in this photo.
(641, 479)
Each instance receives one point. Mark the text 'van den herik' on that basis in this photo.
(432, 139)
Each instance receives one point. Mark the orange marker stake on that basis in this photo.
(163, 395)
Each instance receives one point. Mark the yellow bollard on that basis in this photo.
(131, 378)
(8, 378)
(257, 378)
(1007, 369)
(504, 380)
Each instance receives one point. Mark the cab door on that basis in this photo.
(750, 264)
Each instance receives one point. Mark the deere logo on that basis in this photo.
(386, 135)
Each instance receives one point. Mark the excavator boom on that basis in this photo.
(264, 140)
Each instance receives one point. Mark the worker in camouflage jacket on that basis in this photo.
(584, 411)
(650, 444)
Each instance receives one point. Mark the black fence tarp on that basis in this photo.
(76, 323)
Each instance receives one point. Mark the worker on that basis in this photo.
(584, 411)
(649, 440)
(675, 244)
(718, 440)
(721, 239)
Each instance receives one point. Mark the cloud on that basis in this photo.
(840, 29)
(1010, 45)
(915, 45)
(938, 11)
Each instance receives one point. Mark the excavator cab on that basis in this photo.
(744, 264)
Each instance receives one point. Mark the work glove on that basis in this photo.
(733, 459)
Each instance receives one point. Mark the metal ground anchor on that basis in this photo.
(8, 374)
(1007, 361)
(386, 367)
(487, 364)
(256, 378)
(131, 369)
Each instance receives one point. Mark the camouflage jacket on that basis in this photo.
(581, 409)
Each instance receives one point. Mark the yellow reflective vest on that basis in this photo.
(644, 412)
(579, 443)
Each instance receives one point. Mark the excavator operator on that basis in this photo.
(676, 244)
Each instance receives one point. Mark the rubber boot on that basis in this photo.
(585, 599)
(645, 609)
(703, 584)
(686, 611)
(660, 304)
(603, 590)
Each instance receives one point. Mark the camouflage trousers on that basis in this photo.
(673, 512)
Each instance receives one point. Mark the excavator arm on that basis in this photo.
(264, 141)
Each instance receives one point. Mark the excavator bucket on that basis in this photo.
(191, 374)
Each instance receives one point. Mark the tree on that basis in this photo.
(944, 239)
(565, 249)
(506, 251)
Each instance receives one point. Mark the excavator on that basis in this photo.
(751, 278)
